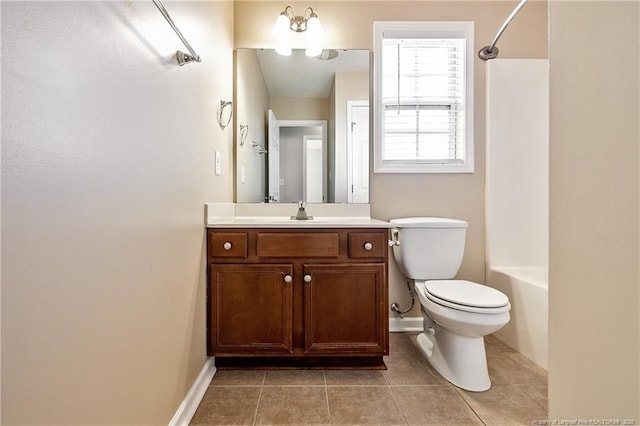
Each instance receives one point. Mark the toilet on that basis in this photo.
(457, 313)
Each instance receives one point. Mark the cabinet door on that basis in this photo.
(346, 309)
(251, 309)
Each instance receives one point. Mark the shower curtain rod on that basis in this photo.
(183, 58)
(490, 52)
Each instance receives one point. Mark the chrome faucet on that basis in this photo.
(302, 214)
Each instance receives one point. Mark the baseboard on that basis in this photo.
(190, 403)
(405, 325)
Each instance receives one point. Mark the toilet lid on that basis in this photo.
(428, 222)
(466, 293)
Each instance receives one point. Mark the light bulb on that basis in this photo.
(280, 29)
(283, 50)
(313, 51)
(314, 36)
(282, 34)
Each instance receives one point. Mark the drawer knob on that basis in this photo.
(307, 278)
(227, 245)
(368, 246)
(287, 278)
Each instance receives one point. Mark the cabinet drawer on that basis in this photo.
(367, 245)
(297, 244)
(228, 244)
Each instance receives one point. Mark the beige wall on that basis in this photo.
(251, 105)
(107, 160)
(350, 25)
(594, 206)
(300, 108)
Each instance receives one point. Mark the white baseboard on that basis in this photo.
(190, 403)
(405, 325)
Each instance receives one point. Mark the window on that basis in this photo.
(423, 97)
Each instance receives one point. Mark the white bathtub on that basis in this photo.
(528, 292)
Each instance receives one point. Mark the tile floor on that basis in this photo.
(409, 392)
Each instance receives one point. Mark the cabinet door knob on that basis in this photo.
(307, 278)
(368, 246)
(287, 278)
(227, 245)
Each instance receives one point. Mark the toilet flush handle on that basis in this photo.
(394, 238)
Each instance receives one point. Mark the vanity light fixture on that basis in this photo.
(307, 23)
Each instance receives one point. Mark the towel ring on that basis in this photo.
(244, 132)
(223, 105)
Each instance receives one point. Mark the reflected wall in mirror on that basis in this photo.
(311, 116)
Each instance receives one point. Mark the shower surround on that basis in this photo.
(517, 198)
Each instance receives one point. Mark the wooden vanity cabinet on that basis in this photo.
(253, 308)
(298, 297)
(343, 311)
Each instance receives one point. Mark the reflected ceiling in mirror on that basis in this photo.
(299, 76)
(274, 91)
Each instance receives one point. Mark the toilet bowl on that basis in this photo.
(457, 313)
(453, 339)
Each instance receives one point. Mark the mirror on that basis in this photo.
(302, 126)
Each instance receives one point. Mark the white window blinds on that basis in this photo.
(423, 100)
(423, 97)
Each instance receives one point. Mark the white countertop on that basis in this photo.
(287, 222)
(229, 215)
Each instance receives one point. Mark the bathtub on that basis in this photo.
(528, 292)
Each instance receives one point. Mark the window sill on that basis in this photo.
(422, 168)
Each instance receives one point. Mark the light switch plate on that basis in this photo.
(218, 163)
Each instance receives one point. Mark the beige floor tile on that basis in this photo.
(513, 368)
(360, 405)
(294, 377)
(493, 345)
(402, 342)
(496, 376)
(411, 369)
(283, 405)
(539, 393)
(238, 378)
(433, 405)
(354, 377)
(504, 405)
(227, 406)
(409, 391)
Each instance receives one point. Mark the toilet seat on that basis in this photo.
(465, 296)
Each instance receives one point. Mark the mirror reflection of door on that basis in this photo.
(273, 182)
(302, 176)
(312, 169)
(358, 147)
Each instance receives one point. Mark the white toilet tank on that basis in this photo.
(428, 248)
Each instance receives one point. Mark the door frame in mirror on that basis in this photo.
(314, 123)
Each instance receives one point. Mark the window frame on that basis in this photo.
(422, 29)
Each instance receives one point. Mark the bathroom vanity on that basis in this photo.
(287, 294)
